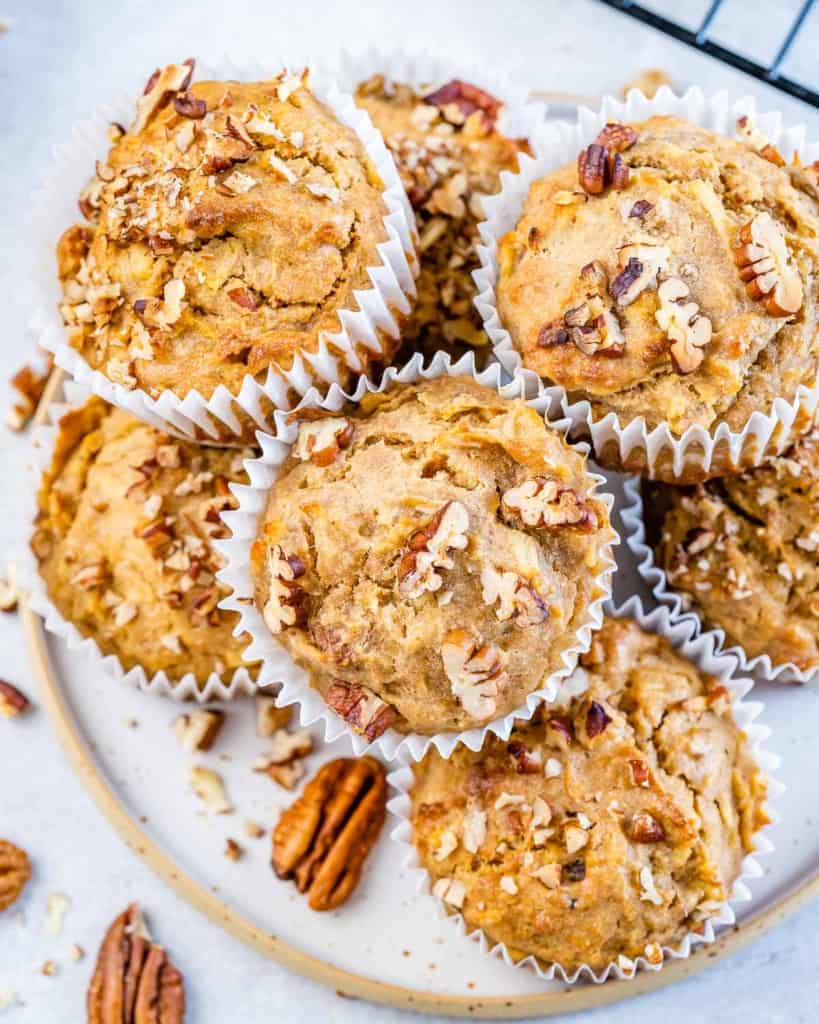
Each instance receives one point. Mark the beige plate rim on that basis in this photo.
(556, 1001)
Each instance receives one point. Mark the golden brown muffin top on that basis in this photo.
(123, 535)
(449, 152)
(429, 556)
(680, 285)
(608, 827)
(743, 551)
(227, 229)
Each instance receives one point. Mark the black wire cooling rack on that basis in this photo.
(698, 38)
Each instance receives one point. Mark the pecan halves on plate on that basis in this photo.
(322, 840)
(134, 981)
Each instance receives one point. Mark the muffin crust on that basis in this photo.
(123, 538)
(226, 230)
(647, 299)
(607, 828)
(429, 556)
(743, 552)
(449, 152)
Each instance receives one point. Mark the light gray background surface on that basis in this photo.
(57, 61)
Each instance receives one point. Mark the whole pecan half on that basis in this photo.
(322, 840)
(134, 981)
(15, 871)
(600, 165)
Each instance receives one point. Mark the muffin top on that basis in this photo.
(449, 152)
(429, 556)
(123, 538)
(743, 551)
(607, 827)
(226, 230)
(671, 274)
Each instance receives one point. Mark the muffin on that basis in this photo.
(669, 274)
(123, 536)
(742, 551)
(449, 152)
(226, 232)
(608, 827)
(430, 556)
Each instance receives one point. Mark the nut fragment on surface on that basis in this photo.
(322, 840)
(134, 980)
(12, 701)
(475, 671)
(28, 386)
(233, 851)
(688, 331)
(548, 503)
(429, 547)
(285, 605)
(208, 786)
(198, 729)
(15, 871)
(269, 718)
(322, 440)
(284, 747)
(364, 711)
(57, 906)
(9, 591)
(766, 267)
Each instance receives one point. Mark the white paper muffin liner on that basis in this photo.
(519, 117)
(214, 417)
(32, 583)
(277, 665)
(558, 143)
(761, 666)
(701, 647)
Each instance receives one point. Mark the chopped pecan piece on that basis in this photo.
(286, 603)
(187, 105)
(15, 871)
(284, 747)
(209, 787)
(466, 99)
(548, 504)
(639, 773)
(475, 671)
(591, 325)
(12, 702)
(596, 719)
(162, 313)
(322, 840)
(134, 981)
(600, 164)
(748, 132)
(364, 711)
(688, 331)
(698, 539)
(9, 592)
(766, 267)
(516, 598)
(640, 264)
(527, 762)
(643, 828)
(575, 871)
(29, 386)
(160, 88)
(429, 550)
(322, 440)
(243, 297)
(269, 718)
(198, 729)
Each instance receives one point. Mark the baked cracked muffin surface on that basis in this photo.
(449, 152)
(225, 231)
(671, 274)
(743, 551)
(126, 516)
(429, 556)
(609, 826)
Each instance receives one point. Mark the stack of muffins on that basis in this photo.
(427, 548)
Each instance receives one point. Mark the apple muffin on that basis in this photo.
(606, 828)
(742, 551)
(670, 274)
(430, 556)
(449, 152)
(225, 232)
(123, 536)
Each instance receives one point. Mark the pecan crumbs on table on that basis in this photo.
(322, 840)
(134, 981)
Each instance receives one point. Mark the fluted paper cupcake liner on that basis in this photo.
(702, 649)
(656, 452)
(32, 583)
(277, 665)
(761, 666)
(217, 417)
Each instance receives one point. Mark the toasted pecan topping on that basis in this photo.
(429, 550)
(286, 603)
(475, 671)
(321, 440)
(549, 504)
(364, 711)
(766, 267)
(680, 318)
